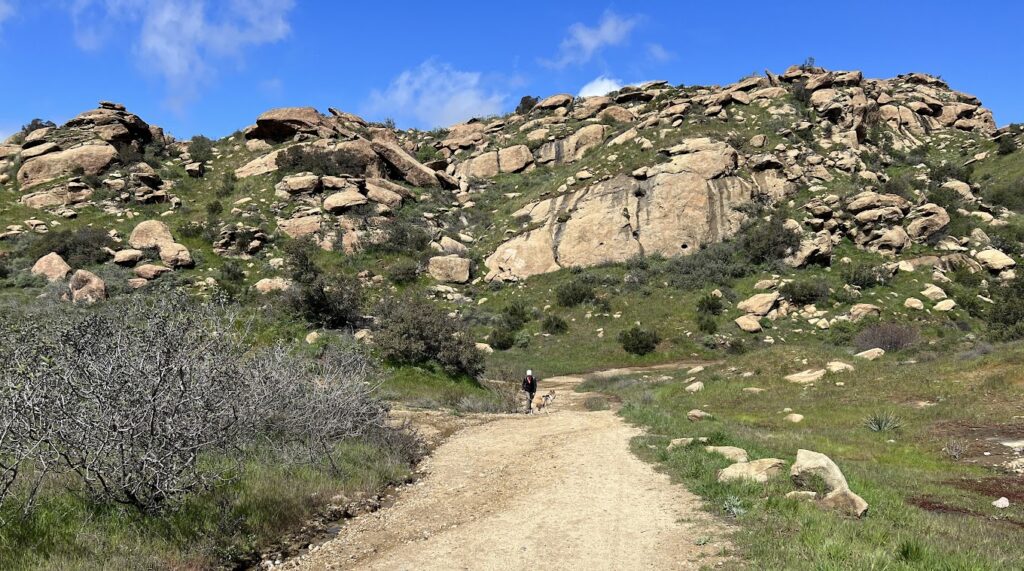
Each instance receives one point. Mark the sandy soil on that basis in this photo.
(550, 491)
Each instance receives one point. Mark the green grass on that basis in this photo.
(209, 529)
(960, 530)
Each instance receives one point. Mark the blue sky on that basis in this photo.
(194, 66)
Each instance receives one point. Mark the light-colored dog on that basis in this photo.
(541, 402)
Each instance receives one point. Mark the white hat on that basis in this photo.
(529, 372)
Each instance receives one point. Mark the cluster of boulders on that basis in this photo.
(83, 287)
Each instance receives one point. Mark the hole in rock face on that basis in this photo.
(685, 246)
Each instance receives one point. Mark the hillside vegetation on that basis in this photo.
(786, 224)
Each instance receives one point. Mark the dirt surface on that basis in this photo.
(546, 491)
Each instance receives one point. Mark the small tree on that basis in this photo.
(200, 149)
(526, 104)
(414, 331)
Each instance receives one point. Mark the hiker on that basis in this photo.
(530, 387)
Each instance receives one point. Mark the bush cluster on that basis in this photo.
(200, 149)
(639, 341)
(888, 336)
(414, 331)
(805, 292)
(327, 299)
(573, 293)
(153, 398)
(81, 247)
(554, 325)
(301, 158)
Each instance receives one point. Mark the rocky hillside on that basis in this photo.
(906, 169)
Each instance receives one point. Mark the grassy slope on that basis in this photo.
(959, 530)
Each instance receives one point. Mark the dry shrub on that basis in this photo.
(888, 336)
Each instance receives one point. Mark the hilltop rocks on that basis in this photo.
(284, 123)
(92, 159)
(52, 267)
(573, 147)
(508, 160)
(408, 167)
(553, 102)
(301, 226)
(342, 201)
(86, 287)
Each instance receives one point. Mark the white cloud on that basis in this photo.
(600, 86)
(6, 10)
(657, 52)
(182, 41)
(583, 42)
(435, 95)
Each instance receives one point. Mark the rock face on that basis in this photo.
(156, 234)
(677, 207)
(91, 159)
(52, 267)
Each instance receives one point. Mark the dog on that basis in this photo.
(541, 402)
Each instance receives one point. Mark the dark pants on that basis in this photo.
(529, 401)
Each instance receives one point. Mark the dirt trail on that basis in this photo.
(548, 491)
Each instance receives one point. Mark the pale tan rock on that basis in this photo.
(846, 502)
(838, 367)
(151, 271)
(270, 285)
(697, 415)
(871, 354)
(301, 226)
(449, 269)
(913, 303)
(995, 260)
(694, 387)
(759, 471)
(759, 304)
(86, 287)
(864, 310)
(730, 452)
(748, 323)
(150, 234)
(92, 159)
(176, 255)
(805, 377)
(51, 266)
(339, 202)
(794, 418)
(945, 305)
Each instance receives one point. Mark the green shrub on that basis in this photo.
(412, 330)
(81, 247)
(214, 208)
(805, 292)
(299, 257)
(1007, 313)
(527, 103)
(515, 315)
(300, 158)
(707, 323)
(200, 149)
(403, 272)
(573, 293)
(502, 338)
(1006, 145)
(639, 341)
(715, 264)
(768, 240)
(554, 325)
(1009, 195)
(228, 182)
(330, 301)
(863, 275)
(402, 237)
(710, 305)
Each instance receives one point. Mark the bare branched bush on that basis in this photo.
(955, 448)
(151, 398)
(888, 336)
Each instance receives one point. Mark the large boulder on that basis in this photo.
(573, 147)
(410, 169)
(926, 220)
(341, 201)
(175, 255)
(300, 227)
(759, 304)
(514, 159)
(92, 159)
(450, 269)
(810, 465)
(51, 266)
(150, 234)
(284, 123)
(87, 287)
(994, 260)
